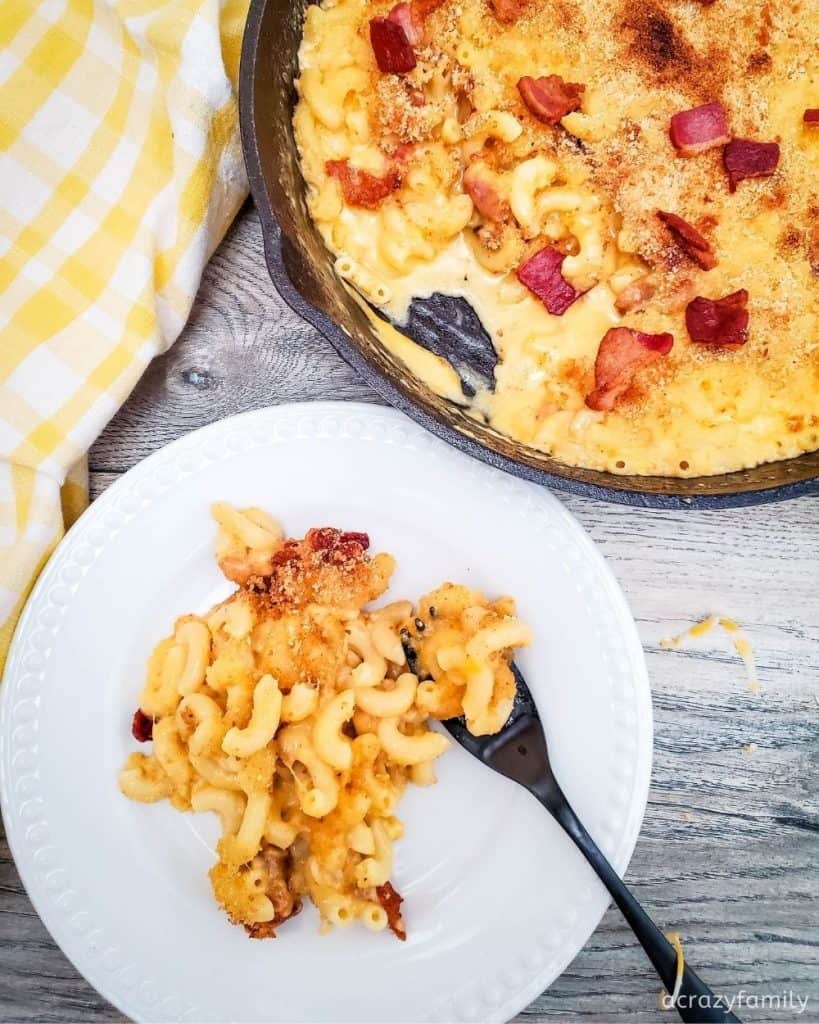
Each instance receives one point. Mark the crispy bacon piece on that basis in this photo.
(718, 321)
(322, 538)
(699, 129)
(486, 199)
(391, 901)
(336, 546)
(622, 353)
(636, 295)
(394, 37)
(811, 117)
(142, 726)
(401, 14)
(745, 158)
(550, 98)
(542, 275)
(393, 50)
(354, 537)
(360, 188)
(689, 240)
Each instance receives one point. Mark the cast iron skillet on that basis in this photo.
(301, 268)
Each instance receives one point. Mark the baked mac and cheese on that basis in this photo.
(298, 716)
(625, 192)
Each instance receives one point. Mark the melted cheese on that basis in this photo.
(741, 644)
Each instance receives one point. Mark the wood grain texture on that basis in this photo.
(729, 852)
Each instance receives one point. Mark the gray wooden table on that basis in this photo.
(729, 852)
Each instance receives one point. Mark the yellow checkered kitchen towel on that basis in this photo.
(120, 169)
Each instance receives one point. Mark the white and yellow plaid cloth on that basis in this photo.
(120, 169)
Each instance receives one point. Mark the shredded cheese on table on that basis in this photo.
(741, 644)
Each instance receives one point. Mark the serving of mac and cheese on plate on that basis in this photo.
(487, 878)
(298, 717)
(624, 192)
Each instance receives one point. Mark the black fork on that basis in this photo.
(519, 752)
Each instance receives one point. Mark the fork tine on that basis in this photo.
(524, 701)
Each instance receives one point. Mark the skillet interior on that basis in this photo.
(302, 270)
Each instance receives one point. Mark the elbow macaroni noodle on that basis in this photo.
(299, 725)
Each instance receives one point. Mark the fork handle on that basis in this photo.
(696, 1002)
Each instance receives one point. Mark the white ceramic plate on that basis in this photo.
(498, 901)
